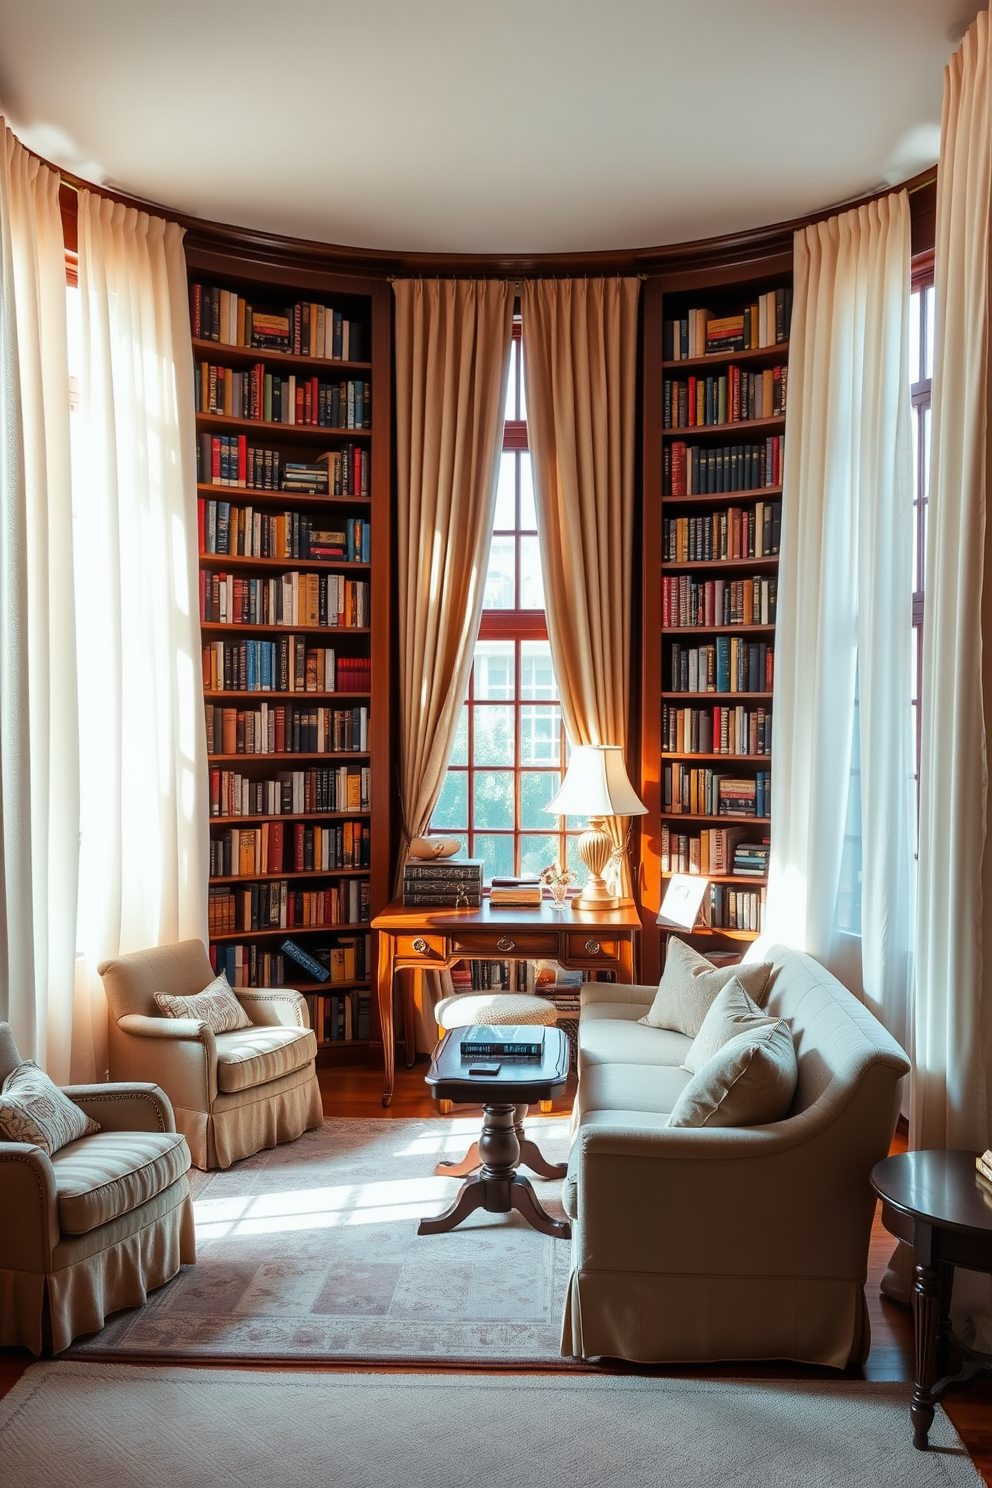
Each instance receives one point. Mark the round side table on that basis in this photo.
(936, 1202)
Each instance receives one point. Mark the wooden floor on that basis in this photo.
(358, 1092)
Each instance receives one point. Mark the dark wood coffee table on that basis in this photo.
(936, 1203)
(497, 1186)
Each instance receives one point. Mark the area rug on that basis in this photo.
(106, 1426)
(310, 1252)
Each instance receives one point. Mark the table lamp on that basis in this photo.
(596, 786)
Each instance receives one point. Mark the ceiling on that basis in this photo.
(513, 127)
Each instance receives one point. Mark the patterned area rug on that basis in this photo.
(311, 1252)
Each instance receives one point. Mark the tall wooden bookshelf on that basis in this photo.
(716, 400)
(292, 386)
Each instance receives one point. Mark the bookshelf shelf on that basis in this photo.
(711, 488)
(250, 499)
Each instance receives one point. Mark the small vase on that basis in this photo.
(559, 895)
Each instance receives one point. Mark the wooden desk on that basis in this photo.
(431, 939)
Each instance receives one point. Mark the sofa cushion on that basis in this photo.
(110, 1174)
(608, 1039)
(216, 1006)
(730, 1013)
(690, 983)
(34, 1109)
(256, 1056)
(651, 1089)
(749, 1082)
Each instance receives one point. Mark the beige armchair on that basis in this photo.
(233, 1093)
(98, 1225)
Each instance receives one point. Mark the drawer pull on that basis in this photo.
(505, 943)
(420, 945)
(593, 947)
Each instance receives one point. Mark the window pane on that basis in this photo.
(506, 494)
(537, 853)
(930, 331)
(540, 735)
(528, 510)
(494, 677)
(493, 735)
(926, 453)
(494, 799)
(496, 853)
(459, 752)
(537, 675)
(531, 578)
(536, 789)
(522, 412)
(511, 384)
(915, 311)
(575, 862)
(451, 811)
(499, 593)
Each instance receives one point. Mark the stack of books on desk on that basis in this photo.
(442, 883)
(515, 893)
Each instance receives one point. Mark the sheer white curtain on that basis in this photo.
(841, 872)
(39, 803)
(143, 845)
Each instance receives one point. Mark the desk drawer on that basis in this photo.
(430, 949)
(506, 943)
(588, 946)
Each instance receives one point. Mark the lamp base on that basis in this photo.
(594, 847)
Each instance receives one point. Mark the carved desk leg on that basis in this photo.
(385, 991)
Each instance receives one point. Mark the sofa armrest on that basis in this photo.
(30, 1229)
(274, 1005)
(139, 1106)
(789, 1199)
(617, 992)
(179, 1054)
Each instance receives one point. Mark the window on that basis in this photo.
(921, 330)
(510, 750)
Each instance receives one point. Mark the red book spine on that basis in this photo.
(299, 836)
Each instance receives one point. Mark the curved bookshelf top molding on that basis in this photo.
(251, 250)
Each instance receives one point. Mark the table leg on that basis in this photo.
(530, 1155)
(926, 1306)
(384, 987)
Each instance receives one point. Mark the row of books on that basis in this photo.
(260, 396)
(687, 602)
(728, 664)
(228, 531)
(302, 329)
(727, 908)
(706, 470)
(347, 958)
(443, 883)
(313, 599)
(277, 666)
(710, 852)
(342, 1017)
(323, 788)
(734, 532)
(277, 905)
(699, 332)
(229, 460)
(283, 847)
(693, 791)
(732, 397)
(278, 729)
(719, 730)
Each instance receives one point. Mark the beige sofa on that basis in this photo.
(233, 1093)
(719, 1243)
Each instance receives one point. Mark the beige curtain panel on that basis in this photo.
(580, 360)
(452, 357)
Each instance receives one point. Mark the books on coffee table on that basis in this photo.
(479, 1041)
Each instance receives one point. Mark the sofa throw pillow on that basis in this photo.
(216, 1006)
(34, 1109)
(749, 1082)
(730, 1013)
(689, 985)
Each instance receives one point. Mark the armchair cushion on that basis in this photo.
(247, 1059)
(33, 1109)
(690, 983)
(749, 1082)
(216, 1006)
(113, 1173)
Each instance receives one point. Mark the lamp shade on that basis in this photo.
(596, 784)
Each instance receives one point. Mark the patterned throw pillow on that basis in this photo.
(216, 1006)
(34, 1109)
